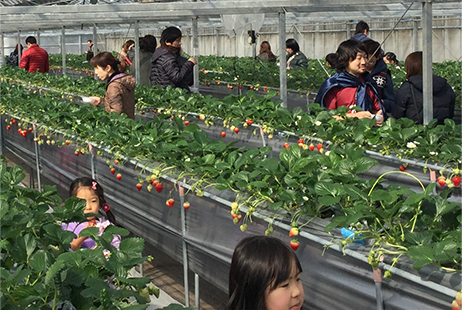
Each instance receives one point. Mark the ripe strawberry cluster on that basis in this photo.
(153, 183)
(311, 147)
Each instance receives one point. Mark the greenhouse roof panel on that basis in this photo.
(49, 17)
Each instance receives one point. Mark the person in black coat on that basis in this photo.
(168, 67)
(379, 75)
(409, 97)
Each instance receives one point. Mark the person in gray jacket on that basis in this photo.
(148, 45)
(295, 58)
(168, 69)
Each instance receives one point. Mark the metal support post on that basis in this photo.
(2, 139)
(137, 51)
(348, 30)
(185, 250)
(38, 37)
(19, 47)
(3, 49)
(217, 42)
(92, 164)
(415, 35)
(195, 40)
(63, 48)
(282, 59)
(427, 62)
(80, 45)
(37, 159)
(95, 44)
(197, 303)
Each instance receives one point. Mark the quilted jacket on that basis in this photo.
(35, 58)
(120, 95)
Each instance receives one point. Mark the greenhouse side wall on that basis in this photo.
(330, 278)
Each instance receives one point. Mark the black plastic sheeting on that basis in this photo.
(331, 280)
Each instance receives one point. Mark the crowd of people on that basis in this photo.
(362, 79)
(265, 272)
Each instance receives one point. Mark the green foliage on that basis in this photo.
(38, 271)
(301, 183)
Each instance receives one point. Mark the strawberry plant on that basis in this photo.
(37, 268)
(301, 183)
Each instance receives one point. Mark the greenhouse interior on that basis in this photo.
(243, 129)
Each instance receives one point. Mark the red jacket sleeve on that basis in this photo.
(24, 63)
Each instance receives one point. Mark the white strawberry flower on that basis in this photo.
(411, 145)
(305, 198)
(187, 159)
(318, 123)
(433, 153)
(78, 122)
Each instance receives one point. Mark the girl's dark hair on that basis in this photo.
(413, 64)
(105, 58)
(169, 35)
(292, 44)
(127, 44)
(391, 57)
(346, 52)
(258, 262)
(148, 43)
(265, 47)
(88, 182)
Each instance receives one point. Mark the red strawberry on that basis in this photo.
(286, 145)
(159, 187)
(311, 147)
(402, 168)
(8, 127)
(319, 146)
(139, 186)
(116, 162)
(442, 181)
(68, 142)
(76, 153)
(265, 88)
(82, 151)
(208, 84)
(301, 141)
(186, 205)
(13, 121)
(119, 176)
(30, 129)
(456, 180)
(293, 232)
(294, 244)
(301, 145)
(186, 123)
(236, 130)
(113, 171)
(250, 87)
(223, 134)
(170, 202)
(249, 122)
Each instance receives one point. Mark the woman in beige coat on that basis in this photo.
(120, 89)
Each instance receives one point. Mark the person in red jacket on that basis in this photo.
(34, 58)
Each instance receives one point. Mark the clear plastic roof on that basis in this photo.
(30, 15)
